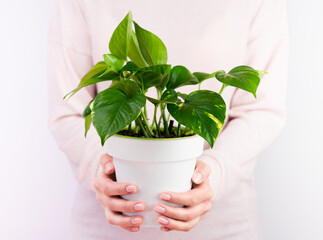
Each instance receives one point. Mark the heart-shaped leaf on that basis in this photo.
(180, 76)
(162, 69)
(159, 81)
(130, 66)
(113, 61)
(87, 115)
(93, 76)
(243, 77)
(114, 109)
(203, 112)
(134, 52)
(148, 79)
(88, 109)
(169, 95)
(87, 124)
(152, 48)
(182, 95)
(120, 40)
(201, 76)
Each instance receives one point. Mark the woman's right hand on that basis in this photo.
(108, 192)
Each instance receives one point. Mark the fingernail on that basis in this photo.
(160, 209)
(197, 178)
(135, 220)
(165, 197)
(138, 207)
(134, 229)
(162, 220)
(108, 167)
(164, 229)
(130, 188)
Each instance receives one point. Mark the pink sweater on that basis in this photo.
(203, 36)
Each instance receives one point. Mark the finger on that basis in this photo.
(122, 205)
(201, 172)
(107, 163)
(178, 225)
(183, 214)
(200, 193)
(122, 220)
(165, 229)
(132, 229)
(112, 188)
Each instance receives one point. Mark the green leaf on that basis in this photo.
(120, 40)
(87, 114)
(180, 76)
(130, 66)
(114, 109)
(108, 74)
(88, 109)
(163, 82)
(203, 112)
(113, 61)
(152, 48)
(169, 95)
(155, 76)
(201, 76)
(243, 77)
(128, 87)
(153, 100)
(182, 95)
(135, 53)
(162, 68)
(148, 79)
(91, 77)
(88, 121)
(261, 72)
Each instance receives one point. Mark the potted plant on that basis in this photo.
(145, 152)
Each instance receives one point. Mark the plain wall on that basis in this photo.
(36, 183)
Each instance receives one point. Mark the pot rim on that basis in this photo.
(154, 139)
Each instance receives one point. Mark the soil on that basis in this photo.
(140, 135)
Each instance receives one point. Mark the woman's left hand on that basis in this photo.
(197, 202)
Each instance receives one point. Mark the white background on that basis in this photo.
(36, 183)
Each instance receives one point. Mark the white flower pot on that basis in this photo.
(155, 166)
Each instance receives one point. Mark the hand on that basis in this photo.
(108, 192)
(197, 202)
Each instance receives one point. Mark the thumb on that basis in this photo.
(107, 163)
(201, 172)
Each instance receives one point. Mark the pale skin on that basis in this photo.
(197, 201)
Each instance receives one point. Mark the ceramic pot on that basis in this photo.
(155, 166)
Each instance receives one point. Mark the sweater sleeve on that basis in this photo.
(253, 124)
(69, 58)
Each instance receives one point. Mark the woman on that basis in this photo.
(204, 36)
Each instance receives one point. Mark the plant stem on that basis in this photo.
(155, 121)
(147, 124)
(159, 121)
(222, 88)
(129, 128)
(179, 130)
(136, 129)
(164, 120)
(199, 86)
(185, 130)
(145, 111)
(142, 128)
